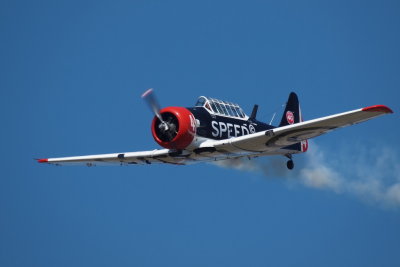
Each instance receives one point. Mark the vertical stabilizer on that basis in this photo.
(292, 111)
(292, 115)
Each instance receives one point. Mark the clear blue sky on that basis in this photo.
(71, 75)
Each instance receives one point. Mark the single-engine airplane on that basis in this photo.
(218, 130)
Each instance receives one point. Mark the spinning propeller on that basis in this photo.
(167, 129)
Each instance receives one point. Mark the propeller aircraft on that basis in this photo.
(215, 130)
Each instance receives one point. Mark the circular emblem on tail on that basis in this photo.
(289, 117)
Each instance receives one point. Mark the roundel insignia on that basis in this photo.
(290, 117)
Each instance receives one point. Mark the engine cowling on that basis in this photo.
(178, 129)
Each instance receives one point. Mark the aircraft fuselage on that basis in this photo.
(220, 127)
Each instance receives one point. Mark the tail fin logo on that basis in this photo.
(289, 117)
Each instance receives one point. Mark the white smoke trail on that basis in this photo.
(370, 174)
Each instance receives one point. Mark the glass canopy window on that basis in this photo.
(219, 107)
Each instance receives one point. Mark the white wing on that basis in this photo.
(143, 157)
(181, 157)
(272, 141)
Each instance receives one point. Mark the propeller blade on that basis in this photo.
(151, 100)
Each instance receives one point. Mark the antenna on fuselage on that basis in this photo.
(254, 113)
(272, 119)
(273, 116)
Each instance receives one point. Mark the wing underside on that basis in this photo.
(177, 157)
(126, 158)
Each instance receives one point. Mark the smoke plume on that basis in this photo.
(370, 174)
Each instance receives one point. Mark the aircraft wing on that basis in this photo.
(142, 157)
(280, 137)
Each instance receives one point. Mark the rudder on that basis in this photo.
(292, 115)
(292, 112)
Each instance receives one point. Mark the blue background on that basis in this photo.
(71, 76)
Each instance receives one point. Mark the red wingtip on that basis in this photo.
(378, 108)
(42, 160)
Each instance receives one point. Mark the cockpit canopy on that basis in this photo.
(219, 107)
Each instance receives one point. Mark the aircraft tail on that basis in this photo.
(292, 115)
